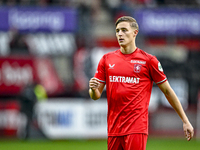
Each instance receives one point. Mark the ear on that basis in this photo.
(135, 32)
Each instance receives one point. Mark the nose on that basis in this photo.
(119, 33)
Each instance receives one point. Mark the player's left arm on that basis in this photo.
(175, 103)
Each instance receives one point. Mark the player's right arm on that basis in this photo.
(95, 88)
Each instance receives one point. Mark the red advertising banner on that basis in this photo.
(17, 72)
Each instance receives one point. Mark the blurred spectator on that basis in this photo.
(118, 8)
(84, 35)
(10, 2)
(66, 3)
(25, 2)
(40, 92)
(113, 6)
(160, 2)
(178, 2)
(27, 100)
(43, 2)
(18, 43)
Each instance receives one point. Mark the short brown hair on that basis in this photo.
(131, 20)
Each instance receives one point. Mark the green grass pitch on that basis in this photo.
(152, 144)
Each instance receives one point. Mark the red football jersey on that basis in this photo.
(129, 80)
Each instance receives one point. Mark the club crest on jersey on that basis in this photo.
(111, 66)
(137, 68)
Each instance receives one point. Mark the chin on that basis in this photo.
(122, 44)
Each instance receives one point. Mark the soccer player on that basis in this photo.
(129, 74)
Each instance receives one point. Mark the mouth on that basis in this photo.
(121, 40)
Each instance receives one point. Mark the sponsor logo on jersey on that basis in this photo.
(137, 68)
(160, 67)
(111, 66)
(123, 79)
(138, 61)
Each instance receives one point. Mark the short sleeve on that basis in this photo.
(100, 72)
(156, 71)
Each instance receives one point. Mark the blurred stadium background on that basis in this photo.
(49, 49)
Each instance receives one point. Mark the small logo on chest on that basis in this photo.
(111, 66)
(137, 68)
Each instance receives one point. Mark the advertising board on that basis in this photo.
(37, 19)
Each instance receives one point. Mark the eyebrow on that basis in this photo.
(121, 28)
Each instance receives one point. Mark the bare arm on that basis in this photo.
(175, 103)
(96, 88)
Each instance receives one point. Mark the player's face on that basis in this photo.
(125, 33)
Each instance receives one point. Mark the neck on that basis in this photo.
(128, 49)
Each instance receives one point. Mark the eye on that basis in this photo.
(124, 30)
(117, 30)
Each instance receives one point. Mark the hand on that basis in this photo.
(188, 130)
(94, 83)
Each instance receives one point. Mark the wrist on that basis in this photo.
(185, 120)
(92, 90)
(94, 94)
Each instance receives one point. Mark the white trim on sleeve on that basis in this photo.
(102, 81)
(161, 81)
